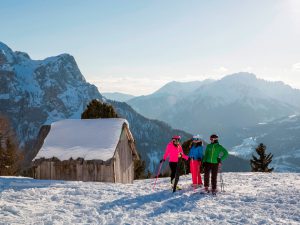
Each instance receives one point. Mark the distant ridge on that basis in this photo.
(118, 96)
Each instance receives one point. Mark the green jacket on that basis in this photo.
(212, 153)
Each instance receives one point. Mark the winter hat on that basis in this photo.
(214, 136)
(196, 137)
(176, 137)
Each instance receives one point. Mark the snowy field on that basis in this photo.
(249, 199)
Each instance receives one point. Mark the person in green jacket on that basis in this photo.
(211, 160)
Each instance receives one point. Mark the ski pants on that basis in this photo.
(213, 169)
(195, 168)
(173, 167)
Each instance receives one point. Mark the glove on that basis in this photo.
(162, 160)
(219, 160)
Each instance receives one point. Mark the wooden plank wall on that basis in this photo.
(75, 170)
(124, 166)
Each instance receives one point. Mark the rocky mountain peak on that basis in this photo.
(22, 56)
(37, 92)
(6, 54)
(242, 77)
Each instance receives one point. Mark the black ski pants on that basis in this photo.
(173, 167)
(211, 168)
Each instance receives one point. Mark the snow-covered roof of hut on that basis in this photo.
(89, 139)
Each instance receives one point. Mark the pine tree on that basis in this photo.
(10, 159)
(96, 109)
(2, 161)
(10, 156)
(261, 164)
(139, 169)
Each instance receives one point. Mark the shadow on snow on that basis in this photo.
(21, 183)
(168, 201)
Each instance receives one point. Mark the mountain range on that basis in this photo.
(223, 106)
(35, 93)
(241, 108)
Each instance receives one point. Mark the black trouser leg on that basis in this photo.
(176, 175)
(207, 170)
(214, 174)
(173, 167)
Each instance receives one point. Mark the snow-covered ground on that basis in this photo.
(246, 149)
(250, 198)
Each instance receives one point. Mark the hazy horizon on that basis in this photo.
(136, 47)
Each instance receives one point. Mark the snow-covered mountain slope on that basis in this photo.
(282, 138)
(223, 106)
(250, 198)
(164, 99)
(37, 92)
(117, 96)
(227, 107)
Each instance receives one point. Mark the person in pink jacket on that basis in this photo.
(174, 152)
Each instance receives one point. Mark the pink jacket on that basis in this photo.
(172, 151)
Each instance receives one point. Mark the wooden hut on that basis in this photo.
(87, 150)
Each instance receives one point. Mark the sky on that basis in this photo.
(136, 46)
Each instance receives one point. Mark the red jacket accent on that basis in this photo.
(173, 152)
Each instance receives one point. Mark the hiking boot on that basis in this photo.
(178, 188)
(214, 191)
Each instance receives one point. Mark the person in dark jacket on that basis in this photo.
(211, 160)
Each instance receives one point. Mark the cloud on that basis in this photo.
(129, 85)
(247, 69)
(138, 85)
(221, 69)
(296, 67)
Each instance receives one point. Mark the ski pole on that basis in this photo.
(199, 174)
(159, 168)
(221, 178)
(184, 169)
